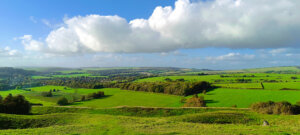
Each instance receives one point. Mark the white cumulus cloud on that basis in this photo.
(31, 44)
(219, 23)
(8, 52)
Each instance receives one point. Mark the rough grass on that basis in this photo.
(225, 122)
(131, 111)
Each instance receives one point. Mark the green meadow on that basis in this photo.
(243, 98)
(114, 97)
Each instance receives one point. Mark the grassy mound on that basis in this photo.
(131, 111)
(20, 121)
(227, 117)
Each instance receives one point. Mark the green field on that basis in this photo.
(243, 98)
(255, 77)
(115, 97)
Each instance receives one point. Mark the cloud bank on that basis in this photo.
(251, 24)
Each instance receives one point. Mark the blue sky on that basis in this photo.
(215, 34)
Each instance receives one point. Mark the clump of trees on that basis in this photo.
(271, 107)
(95, 95)
(14, 105)
(47, 94)
(195, 101)
(174, 88)
(293, 77)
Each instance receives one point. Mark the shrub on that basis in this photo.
(168, 80)
(63, 101)
(82, 98)
(271, 107)
(195, 101)
(204, 92)
(183, 100)
(293, 77)
(180, 80)
(262, 85)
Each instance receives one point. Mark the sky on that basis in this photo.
(203, 34)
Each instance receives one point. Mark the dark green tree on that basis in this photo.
(63, 101)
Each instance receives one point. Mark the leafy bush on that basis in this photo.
(195, 102)
(63, 101)
(234, 106)
(271, 107)
(82, 98)
(182, 100)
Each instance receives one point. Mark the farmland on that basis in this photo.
(134, 111)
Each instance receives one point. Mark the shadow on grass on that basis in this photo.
(211, 101)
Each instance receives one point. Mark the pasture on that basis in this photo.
(114, 97)
(243, 98)
(230, 78)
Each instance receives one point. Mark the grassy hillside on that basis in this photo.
(207, 121)
(274, 69)
(114, 97)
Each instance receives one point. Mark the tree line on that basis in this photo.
(173, 88)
